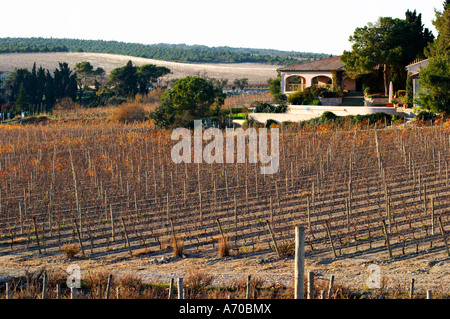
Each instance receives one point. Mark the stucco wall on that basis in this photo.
(308, 76)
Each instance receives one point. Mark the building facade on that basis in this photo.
(320, 73)
(414, 70)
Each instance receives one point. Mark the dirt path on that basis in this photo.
(430, 269)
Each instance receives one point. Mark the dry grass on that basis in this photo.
(286, 248)
(224, 246)
(196, 283)
(256, 73)
(70, 250)
(177, 244)
(142, 251)
(129, 112)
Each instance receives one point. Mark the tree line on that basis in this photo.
(167, 52)
(39, 90)
(29, 48)
(389, 45)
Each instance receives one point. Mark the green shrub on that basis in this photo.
(237, 110)
(426, 116)
(367, 90)
(270, 122)
(262, 107)
(396, 118)
(296, 98)
(282, 108)
(372, 118)
(313, 92)
(330, 117)
(329, 94)
(401, 93)
(374, 96)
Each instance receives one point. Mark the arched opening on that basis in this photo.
(322, 81)
(295, 83)
(349, 84)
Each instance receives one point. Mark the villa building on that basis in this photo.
(322, 73)
(414, 70)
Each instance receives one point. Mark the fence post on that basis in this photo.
(108, 287)
(180, 288)
(44, 286)
(330, 287)
(73, 293)
(411, 289)
(299, 262)
(311, 285)
(58, 291)
(8, 291)
(429, 294)
(249, 288)
(171, 288)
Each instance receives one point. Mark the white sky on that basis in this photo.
(321, 26)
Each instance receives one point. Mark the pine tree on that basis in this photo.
(22, 100)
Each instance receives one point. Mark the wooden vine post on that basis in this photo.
(327, 226)
(273, 239)
(441, 227)
(126, 236)
(299, 272)
(36, 234)
(386, 233)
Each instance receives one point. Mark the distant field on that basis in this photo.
(256, 73)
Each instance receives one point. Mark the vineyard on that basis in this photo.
(112, 189)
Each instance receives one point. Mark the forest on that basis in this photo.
(166, 52)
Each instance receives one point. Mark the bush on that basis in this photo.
(262, 107)
(270, 122)
(296, 98)
(401, 93)
(374, 96)
(329, 117)
(372, 118)
(426, 116)
(313, 92)
(367, 91)
(397, 118)
(329, 94)
(116, 100)
(71, 250)
(310, 96)
(129, 112)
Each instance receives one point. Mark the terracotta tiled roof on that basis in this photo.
(329, 64)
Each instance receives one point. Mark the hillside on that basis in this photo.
(162, 51)
(256, 73)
